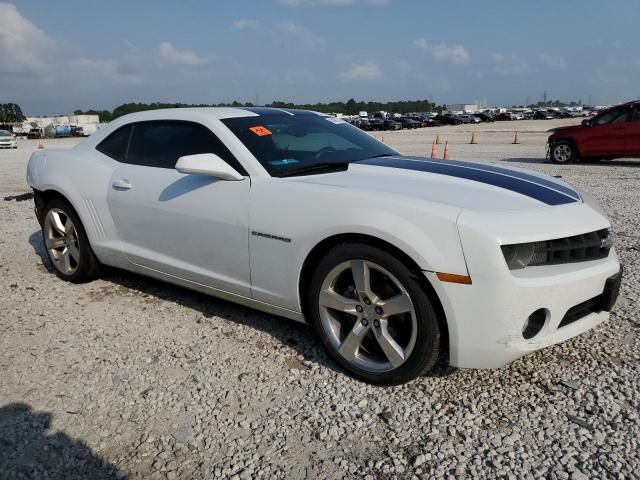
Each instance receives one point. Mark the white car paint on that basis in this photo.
(225, 237)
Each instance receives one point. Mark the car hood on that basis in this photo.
(564, 129)
(466, 185)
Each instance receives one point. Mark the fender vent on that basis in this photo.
(96, 224)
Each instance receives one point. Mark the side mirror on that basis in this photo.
(207, 164)
(586, 122)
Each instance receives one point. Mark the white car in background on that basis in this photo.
(394, 260)
(8, 139)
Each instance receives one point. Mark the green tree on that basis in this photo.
(11, 113)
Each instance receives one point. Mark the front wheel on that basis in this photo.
(373, 317)
(563, 152)
(66, 243)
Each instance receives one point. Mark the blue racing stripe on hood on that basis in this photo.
(529, 185)
(514, 173)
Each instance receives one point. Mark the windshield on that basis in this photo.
(285, 143)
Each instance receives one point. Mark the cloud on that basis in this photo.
(509, 65)
(402, 66)
(23, 46)
(512, 70)
(174, 56)
(329, 3)
(553, 61)
(244, 24)
(455, 54)
(361, 72)
(299, 35)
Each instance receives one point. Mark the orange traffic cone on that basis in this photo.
(40, 145)
(438, 141)
(516, 140)
(473, 139)
(434, 154)
(446, 151)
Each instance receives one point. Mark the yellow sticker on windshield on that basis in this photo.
(260, 131)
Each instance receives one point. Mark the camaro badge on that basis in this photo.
(272, 237)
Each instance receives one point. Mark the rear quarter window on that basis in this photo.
(116, 144)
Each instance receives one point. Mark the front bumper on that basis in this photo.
(9, 144)
(488, 328)
(486, 319)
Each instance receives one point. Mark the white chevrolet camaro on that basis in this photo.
(396, 261)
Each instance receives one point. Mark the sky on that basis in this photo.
(56, 57)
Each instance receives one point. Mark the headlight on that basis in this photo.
(519, 255)
(578, 248)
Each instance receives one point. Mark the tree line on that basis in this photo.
(350, 107)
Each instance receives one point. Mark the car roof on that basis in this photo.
(212, 112)
(632, 103)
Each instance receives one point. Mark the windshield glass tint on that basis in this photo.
(284, 143)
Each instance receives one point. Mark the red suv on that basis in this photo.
(612, 133)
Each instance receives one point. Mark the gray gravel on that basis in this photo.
(127, 377)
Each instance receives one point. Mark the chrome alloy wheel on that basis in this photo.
(368, 316)
(562, 153)
(61, 241)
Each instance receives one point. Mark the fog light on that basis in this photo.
(534, 323)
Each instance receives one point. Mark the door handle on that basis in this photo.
(123, 184)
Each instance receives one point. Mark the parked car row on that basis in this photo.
(542, 114)
(384, 121)
(419, 121)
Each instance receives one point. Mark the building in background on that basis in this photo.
(463, 107)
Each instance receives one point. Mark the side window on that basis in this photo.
(614, 116)
(160, 143)
(115, 145)
(636, 114)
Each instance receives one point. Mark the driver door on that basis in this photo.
(632, 139)
(606, 136)
(193, 227)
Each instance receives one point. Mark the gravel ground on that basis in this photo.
(126, 377)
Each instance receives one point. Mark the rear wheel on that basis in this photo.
(66, 243)
(372, 316)
(563, 152)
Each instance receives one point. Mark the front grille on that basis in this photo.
(579, 248)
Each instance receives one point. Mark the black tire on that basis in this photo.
(426, 351)
(563, 152)
(87, 268)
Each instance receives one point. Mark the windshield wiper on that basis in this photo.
(316, 167)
